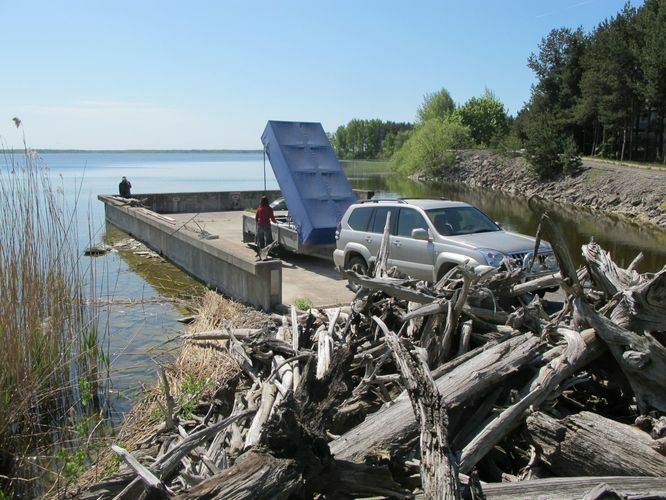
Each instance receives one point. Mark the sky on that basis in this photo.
(162, 74)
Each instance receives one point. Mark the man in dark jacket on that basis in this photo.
(124, 188)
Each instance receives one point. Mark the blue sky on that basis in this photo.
(209, 74)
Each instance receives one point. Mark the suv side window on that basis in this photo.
(410, 219)
(379, 220)
(359, 218)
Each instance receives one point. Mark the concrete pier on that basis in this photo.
(202, 234)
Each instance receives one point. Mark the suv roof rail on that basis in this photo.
(403, 200)
(425, 198)
(377, 200)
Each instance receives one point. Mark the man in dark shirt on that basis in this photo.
(264, 216)
(124, 188)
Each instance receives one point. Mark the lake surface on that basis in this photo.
(141, 320)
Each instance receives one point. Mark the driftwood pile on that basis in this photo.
(468, 388)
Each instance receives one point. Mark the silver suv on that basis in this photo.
(430, 237)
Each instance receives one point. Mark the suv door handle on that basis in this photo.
(397, 243)
(368, 239)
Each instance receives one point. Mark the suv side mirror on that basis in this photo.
(420, 234)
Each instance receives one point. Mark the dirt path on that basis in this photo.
(635, 193)
(648, 172)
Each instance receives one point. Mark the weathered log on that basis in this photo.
(574, 488)
(393, 428)
(643, 307)
(589, 444)
(267, 399)
(603, 492)
(148, 478)
(390, 286)
(282, 368)
(579, 352)
(439, 471)
(384, 250)
(465, 336)
(360, 480)
(457, 302)
(567, 269)
(239, 333)
(167, 463)
(254, 475)
(641, 357)
(240, 356)
(606, 275)
(168, 401)
(324, 351)
(548, 281)
(295, 344)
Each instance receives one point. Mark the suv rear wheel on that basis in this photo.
(359, 266)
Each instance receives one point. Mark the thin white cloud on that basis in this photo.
(565, 8)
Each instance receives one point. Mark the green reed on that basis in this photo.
(49, 354)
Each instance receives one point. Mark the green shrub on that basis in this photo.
(431, 147)
(303, 303)
(551, 152)
(191, 389)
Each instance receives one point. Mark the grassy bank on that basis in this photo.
(50, 357)
(203, 370)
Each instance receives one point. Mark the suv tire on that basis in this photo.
(359, 266)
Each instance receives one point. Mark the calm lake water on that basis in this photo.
(142, 318)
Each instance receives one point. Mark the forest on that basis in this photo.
(601, 94)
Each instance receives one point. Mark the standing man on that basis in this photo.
(264, 217)
(124, 188)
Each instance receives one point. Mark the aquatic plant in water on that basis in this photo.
(50, 356)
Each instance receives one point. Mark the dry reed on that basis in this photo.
(49, 341)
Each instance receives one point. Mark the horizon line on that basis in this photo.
(73, 150)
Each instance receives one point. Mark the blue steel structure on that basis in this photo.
(311, 179)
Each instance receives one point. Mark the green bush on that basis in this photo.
(486, 118)
(303, 303)
(430, 147)
(550, 151)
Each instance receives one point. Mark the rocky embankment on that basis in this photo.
(635, 193)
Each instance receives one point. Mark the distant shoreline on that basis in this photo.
(193, 151)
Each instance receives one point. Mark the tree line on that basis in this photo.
(601, 93)
(441, 126)
(369, 139)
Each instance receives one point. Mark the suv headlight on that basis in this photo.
(493, 257)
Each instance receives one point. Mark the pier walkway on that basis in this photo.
(208, 245)
(303, 276)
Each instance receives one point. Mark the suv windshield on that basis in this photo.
(461, 220)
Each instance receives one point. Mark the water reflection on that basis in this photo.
(622, 238)
(140, 316)
(166, 279)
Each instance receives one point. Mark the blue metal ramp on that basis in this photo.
(310, 177)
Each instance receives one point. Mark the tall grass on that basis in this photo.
(48, 336)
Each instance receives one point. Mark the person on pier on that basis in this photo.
(124, 188)
(263, 217)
